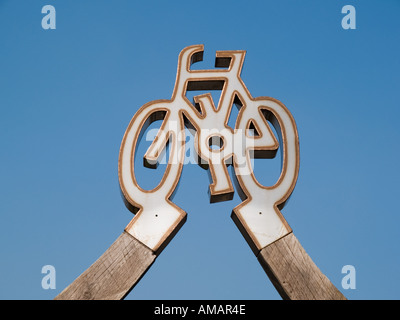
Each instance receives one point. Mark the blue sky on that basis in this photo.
(67, 96)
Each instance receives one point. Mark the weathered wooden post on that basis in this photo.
(258, 217)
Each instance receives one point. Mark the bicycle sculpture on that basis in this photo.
(258, 217)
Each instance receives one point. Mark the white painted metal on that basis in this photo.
(258, 216)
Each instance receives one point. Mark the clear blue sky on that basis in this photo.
(67, 96)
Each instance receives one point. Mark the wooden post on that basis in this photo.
(114, 274)
(294, 274)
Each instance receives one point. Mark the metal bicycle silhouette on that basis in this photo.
(259, 216)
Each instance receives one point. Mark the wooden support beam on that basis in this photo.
(294, 274)
(114, 274)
